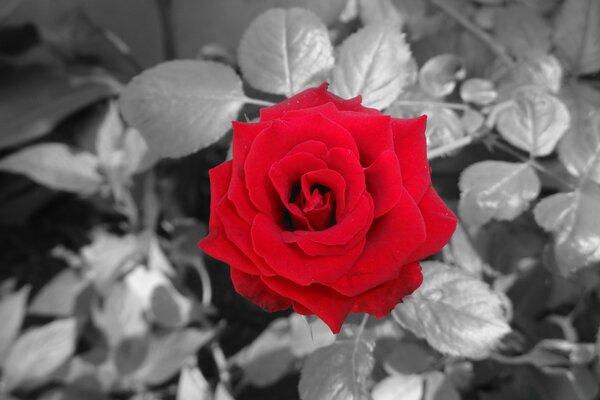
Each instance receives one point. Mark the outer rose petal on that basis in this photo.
(310, 98)
(254, 289)
(216, 243)
(381, 300)
(440, 224)
(391, 240)
(327, 304)
(411, 148)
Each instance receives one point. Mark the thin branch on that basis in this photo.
(418, 103)
(165, 8)
(484, 37)
(361, 329)
(258, 102)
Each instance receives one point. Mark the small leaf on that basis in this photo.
(535, 121)
(405, 387)
(409, 357)
(168, 352)
(457, 314)
(121, 315)
(56, 166)
(59, 296)
(373, 63)
(577, 35)
(472, 121)
(183, 106)
(328, 11)
(443, 127)
(269, 357)
(38, 353)
(221, 392)
(12, 313)
(306, 336)
(478, 91)
(375, 12)
(536, 68)
(579, 151)
(574, 219)
(192, 385)
(521, 30)
(438, 76)
(496, 189)
(338, 371)
(283, 51)
(461, 253)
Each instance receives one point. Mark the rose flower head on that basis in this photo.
(326, 207)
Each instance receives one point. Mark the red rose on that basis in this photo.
(327, 206)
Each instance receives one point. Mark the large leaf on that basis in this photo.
(283, 51)
(540, 69)
(405, 387)
(12, 312)
(373, 63)
(521, 30)
(56, 166)
(456, 313)
(338, 371)
(579, 151)
(496, 189)
(59, 296)
(168, 352)
(574, 219)
(535, 121)
(577, 34)
(38, 353)
(183, 106)
(35, 99)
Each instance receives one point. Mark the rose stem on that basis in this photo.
(488, 40)
(457, 144)
(258, 102)
(412, 103)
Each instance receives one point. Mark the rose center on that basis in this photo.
(316, 206)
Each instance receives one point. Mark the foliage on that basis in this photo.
(509, 309)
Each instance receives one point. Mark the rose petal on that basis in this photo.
(440, 224)
(328, 305)
(411, 148)
(330, 179)
(345, 162)
(390, 242)
(290, 262)
(237, 231)
(309, 98)
(380, 301)
(254, 289)
(316, 148)
(274, 143)
(384, 182)
(220, 177)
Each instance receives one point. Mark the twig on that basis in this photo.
(485, 38)
(165, 8)
(457, 144)
(417, 103)
(259, 102)
(361, 329)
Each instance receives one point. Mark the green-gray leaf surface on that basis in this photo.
(183, 106)
(496, 190)
(283, 51)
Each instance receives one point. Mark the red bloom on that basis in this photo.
(327, 206)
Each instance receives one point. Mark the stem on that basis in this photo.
(359, 333)
(457, 144)
(221, 363)
(417, 103)
(165, 8)
(485, 38)
(259, 102)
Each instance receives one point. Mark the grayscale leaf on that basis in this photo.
(373, 63)
(56, 166)
(12, 313)
(405, 387)
(182, 106)
(496, 190)
(478, 91)
(284, 51)
(521, 30)
(535, 121)
(579, 151)
(38, 353)
(574, 219)
(375, 12)
(438, 76)
(537, 68)
(456, 313)
(577, 35)
(192, 385)
(59, 296)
